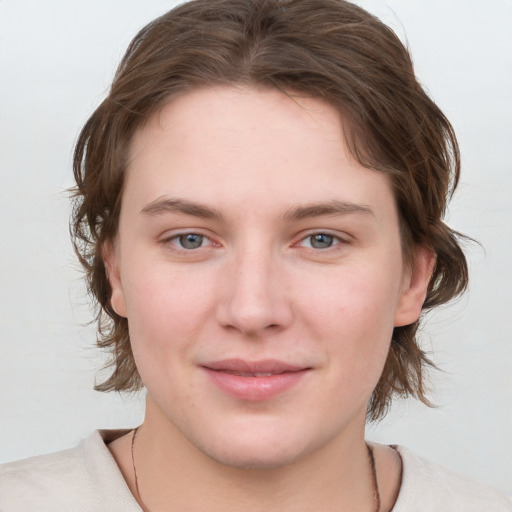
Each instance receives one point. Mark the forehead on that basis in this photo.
(230, 146)
(237, 118)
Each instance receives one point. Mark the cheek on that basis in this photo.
(354, 315)
(165, 309)
(360, 298)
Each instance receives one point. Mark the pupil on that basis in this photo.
(191, 241)
(321, 241)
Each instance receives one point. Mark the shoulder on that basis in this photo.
(430, 487)
(25, 482)
(83, 479)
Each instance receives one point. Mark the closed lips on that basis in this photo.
(254, 380)
(243, 368)
(252, 374)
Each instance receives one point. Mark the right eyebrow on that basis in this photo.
(334, 207)
(175, 205)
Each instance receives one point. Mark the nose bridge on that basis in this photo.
(255, 298)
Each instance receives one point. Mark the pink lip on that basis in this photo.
(254, 380)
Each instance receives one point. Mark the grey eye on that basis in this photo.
(321, 241)
(191, 241)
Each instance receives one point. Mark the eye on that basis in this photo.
(190, 241)
(320, 241)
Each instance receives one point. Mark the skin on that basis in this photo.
(279, 272)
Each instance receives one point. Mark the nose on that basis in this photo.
(254, 299)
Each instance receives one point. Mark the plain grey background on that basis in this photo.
(56, 61)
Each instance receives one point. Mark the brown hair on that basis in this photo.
(329, 49)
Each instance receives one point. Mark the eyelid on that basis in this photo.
(169, 238)
(341, 239)
(344, 237)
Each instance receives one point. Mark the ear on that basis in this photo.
(414, 288)
(111, 259)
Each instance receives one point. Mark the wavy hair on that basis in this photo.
(327, 49)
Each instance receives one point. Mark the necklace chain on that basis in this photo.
(139, 499)
(375, 483)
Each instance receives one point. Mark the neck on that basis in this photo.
(336, 476)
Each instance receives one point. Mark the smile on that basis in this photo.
(254, 380)
(255, 374)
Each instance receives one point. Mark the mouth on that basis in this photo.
(254, 380)
(251, 374)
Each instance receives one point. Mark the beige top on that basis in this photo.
(87, 479)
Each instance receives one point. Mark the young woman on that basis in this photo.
(259, 208)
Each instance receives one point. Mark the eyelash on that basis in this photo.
(336, 241)
(175, 241)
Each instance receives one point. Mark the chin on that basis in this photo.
(256, 459)
(250, 449)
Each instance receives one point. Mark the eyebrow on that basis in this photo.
(333, 207)
(173, 205)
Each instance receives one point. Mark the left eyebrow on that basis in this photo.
(175, 205)
(334, 207)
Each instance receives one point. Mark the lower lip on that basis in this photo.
(255, 388)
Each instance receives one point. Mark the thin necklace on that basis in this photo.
(375, 483)
(139, 499)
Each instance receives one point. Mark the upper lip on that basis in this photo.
(266, 366)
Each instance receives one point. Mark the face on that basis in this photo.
(261, 272)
